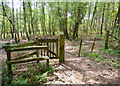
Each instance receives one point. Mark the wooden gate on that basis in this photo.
(52, 47)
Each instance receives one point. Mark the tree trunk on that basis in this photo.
(17, 25)
(65, 29)
(29, 4)
(43, 18)
(106, 39)
(93, 16)
(14, 30)
(7, 19)
(88, 22)
(59, 18)
(3, 21)
(20, 23)
(29, 26)
(102, 20)
(25, 21)
(119, 25)
(49, 25)
(75, 31)
(78, 20)
(4, 26)
(53, 32)
(36, 19)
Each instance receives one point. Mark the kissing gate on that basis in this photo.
(44, 49)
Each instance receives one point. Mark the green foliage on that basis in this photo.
(33, 75)
(96, 56)
(110, 51)
(115, 65)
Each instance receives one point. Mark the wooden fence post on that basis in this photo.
(93, 44)
(57, 49)
(61, 48)
(37, 44)
(9, 66)
(106, 39)
(80, 48)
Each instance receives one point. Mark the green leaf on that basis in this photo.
(24, 82)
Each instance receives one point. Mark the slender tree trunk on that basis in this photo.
(3, 22)
(25, 21)
(36, 19)
(29, 26)
(49, 25)
(93, 16)
(65, 29)
(14, 30)
(106, 39)
(119, 25)
(29, 4)
(11, 31)
(43, 19)
(88, 21)
(75, 31)
(4, 26)
(4, 12)
(53, 32)
(17, 26)
(20, 23)
(59, 18)
(78, 20)
(102, 20)
(1, 32)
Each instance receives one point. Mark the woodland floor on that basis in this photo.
(81, 70)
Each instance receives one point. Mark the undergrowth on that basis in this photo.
(33, 75)
(113, 62)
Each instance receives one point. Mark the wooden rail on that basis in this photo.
(27, 48)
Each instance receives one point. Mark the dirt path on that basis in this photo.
(75, 70)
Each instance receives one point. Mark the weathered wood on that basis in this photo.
(41, 49)
(50, 48)
(48, 40)
(25, 56)
(53, 48)
(57, 49)
(52, 52)
(44, 49)
(23, 45)
(28, 48)
(37, 44)
(61, 48)
(27, 60)
(47, 50)
(80, 48)
(106, 39)
(9, 66)
(47, 63)
(93, 44)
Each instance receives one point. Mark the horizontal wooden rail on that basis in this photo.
(27, 60)
(25, 56)
(23, 45)
(48, 40)
(27, 48)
